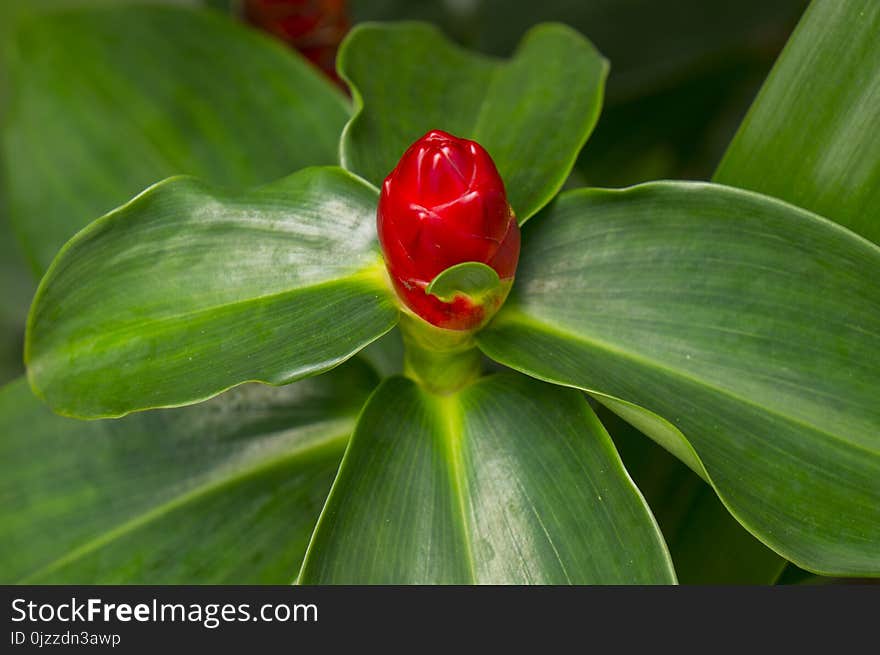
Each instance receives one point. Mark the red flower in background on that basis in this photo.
(314, 27)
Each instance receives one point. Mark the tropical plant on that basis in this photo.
(735, 322)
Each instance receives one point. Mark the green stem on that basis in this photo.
(442, 361)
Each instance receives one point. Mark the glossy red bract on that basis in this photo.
(445, 204)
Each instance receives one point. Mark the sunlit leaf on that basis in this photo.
(188, 290)
(506, 481)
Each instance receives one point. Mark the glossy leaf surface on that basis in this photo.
(187, 291)
(749, 325)
(507, 481)
(707, 545)
(107, 101)
(812, 136)
(532, 113)
(224, 492)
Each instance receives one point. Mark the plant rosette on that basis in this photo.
(733, 328)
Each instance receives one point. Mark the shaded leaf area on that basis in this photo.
(507, 481)
(649, 44)
(811, 137)
(675, 132)
(106, 101)
(708, 546)
(188, 290)
(746, 323)
(16, 289)
(385, 354)
(531, 115)
(797, 576)
(227, 491)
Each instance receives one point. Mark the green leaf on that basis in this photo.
(105, 102)
(473, 279)
(708, 545)
(224, 492)
(748, 324)
(506, 481)
(811, 137)
(187, 291)
(532, 113)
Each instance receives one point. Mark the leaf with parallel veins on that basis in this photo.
(187, 291)
(509, 481)
(749, 325)
(224, 492)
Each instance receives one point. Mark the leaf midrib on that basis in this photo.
(448, 415)
(517, 315)
(367, 276)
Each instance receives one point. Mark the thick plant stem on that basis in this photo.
(442, 361)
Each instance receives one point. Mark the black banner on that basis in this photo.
(146, 619)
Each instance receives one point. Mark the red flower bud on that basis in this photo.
(444, 204)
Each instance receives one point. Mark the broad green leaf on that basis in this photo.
(533, 113)
(227, 491)
(106, 101)
(507, 481)
(187, 290)
(748, 324)
(473, 279)
(812, 136)
(708, 545)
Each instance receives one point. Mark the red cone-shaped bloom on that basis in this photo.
(444, 204)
